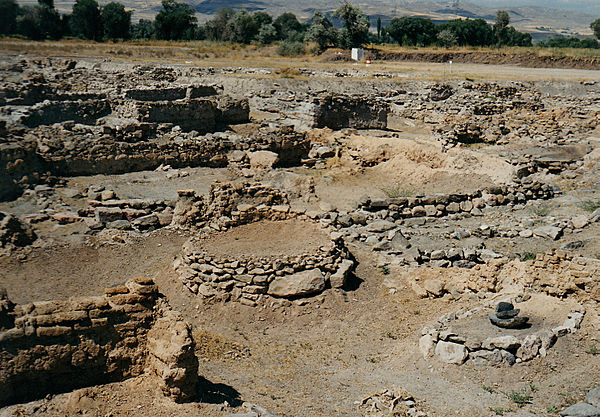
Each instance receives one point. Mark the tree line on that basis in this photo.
(177, 21)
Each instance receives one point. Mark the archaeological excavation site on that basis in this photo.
(331, 239)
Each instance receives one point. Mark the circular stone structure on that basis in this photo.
(288, 258)
(469, 336)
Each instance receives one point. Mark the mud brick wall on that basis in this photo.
(559, 273)
(55, 346)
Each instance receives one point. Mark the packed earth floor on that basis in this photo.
(328, 240)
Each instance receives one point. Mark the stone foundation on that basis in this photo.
(249, 279)
(452, 347)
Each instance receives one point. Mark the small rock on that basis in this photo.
(434, 287)
(338, 279)
(548, 232)
(380, 226)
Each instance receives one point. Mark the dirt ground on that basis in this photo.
(316, 357)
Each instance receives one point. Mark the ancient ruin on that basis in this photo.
(332, 239)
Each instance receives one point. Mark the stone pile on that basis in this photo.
(505, 316)
(115, 213)
(56, 346)
(391, 402)
(231, 204)
(449, 347)
(250, 280)
(14, 232)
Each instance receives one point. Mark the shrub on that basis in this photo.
(287, 48)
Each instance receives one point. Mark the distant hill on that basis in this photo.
(541, 22)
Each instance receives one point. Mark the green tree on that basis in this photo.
(507, 35)
(502, 18)
(174, 21)
(142, 29)
(447, 38)
(412, 31)
(322, 32)
(116, 21)
(85, 20)
(595, 26)
(262, 18)
(356, 26)
(39, 22)
(9, 10)
(241, 28)
(216, 27)
(378, 28)
(473, 32)
(267, 34)
(287, 23)
(501, 27)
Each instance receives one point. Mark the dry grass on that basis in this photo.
(221, 54)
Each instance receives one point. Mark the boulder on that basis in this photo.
(529, 348)
(380, 226)
(427, 345)
(434, 287)
(593, 397)
(548, 232)
(263, 159)
(501, 342)
(494, 357)
(449, 352)
(338, 279)
(299, 284)
(581, 410)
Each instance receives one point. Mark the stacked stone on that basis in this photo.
(231, 204)
(172, 357)
(453, 348)
(444, 204)
(61, 345)
(114, 213)
(246, 279)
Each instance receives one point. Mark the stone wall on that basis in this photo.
(231, 204)
(56, 346)
(48, 113)
(250, 280)
(357, 112)
(72, 149)
(445, 204)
